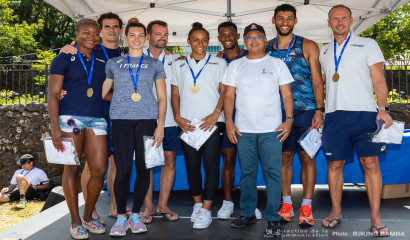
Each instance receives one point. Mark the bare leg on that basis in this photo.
(22, 184)
(4, 198)
(335, 180)
(228, 171)
(166, 183)
(373, 182)
(112, 170)
(207, 205)
(287, 158)
(308, 174)
(148, 204)
(96, 152)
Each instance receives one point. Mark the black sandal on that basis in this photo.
(378, 234)
(338, 220)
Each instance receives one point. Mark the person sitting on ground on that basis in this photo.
(25, 183)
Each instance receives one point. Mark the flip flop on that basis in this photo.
(164, 215)
(112, 216)
(338, 220)
(378, 234)
(145, 219)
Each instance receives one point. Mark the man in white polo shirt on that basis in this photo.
(254, 83)
(353, 69)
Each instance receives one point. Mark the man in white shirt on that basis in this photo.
(353, 69)
(253, 83)
(25, 183)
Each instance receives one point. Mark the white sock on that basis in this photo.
(287, 199)
(307, 202)
(198, 204)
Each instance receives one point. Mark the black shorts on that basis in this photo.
(30, 194)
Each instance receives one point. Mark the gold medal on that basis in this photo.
(335, 77)
(135, 97)
(90, 92)
(194, 89)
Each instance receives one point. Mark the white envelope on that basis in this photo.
(153, 156)
(311, 141)
(68, 157)
(198, 137)
(393, 134)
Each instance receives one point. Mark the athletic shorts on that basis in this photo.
(345, 130)
(30, 194)
(303, 121)
(98, 125)
(171, 141)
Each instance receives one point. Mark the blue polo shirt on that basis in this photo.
(76, 102)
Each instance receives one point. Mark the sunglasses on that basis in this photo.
(71, 123)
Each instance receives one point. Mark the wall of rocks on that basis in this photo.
(23, 128)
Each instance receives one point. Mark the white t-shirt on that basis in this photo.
(167, 61)
(354, 90)
(35, 176)
(201, 104)
(257, 84)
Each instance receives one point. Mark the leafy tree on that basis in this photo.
(16, 38)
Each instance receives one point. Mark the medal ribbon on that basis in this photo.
(337, 60)
(226, 59)
(135, 79)
(105, 52)
(85, 68)
(288, 51)
(192, 72)
(149, 55)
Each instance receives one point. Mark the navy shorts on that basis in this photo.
(225, 139)
(31, 193)
(345, 130)
(303, 121)
(171, 141)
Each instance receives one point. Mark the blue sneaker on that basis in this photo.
(120, 227)
(135, 224)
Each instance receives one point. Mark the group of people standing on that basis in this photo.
(260, 104)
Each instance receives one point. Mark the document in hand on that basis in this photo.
(66, 157)
(393, 134)
(198, 137)
(311, 141)
(153, 156)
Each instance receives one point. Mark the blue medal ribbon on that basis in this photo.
(135, 79)
(85, 68)
(105, 52)
(226, 59)
(337, 60)
(149, 55)
(288, 51)
(192, 72)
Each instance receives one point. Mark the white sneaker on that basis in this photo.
(203, 220)
(258, 214)
(194, 214)
(226, 210)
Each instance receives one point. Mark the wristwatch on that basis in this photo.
(385, 108)
(290, 118)
(322, 109)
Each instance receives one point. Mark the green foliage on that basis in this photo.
(10, 97)
(392, 33)
(16, 37)
(175, 49)
(42, 64)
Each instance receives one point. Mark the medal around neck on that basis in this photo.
(90, 92)
(335, 77)
(194, 89)
(136, 97)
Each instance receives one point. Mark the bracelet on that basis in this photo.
(322, 109)
(216, 109)
(290, 118)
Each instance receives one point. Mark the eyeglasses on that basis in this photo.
(71, 123)
(257, 38)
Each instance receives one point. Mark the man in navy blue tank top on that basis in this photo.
(301, 55)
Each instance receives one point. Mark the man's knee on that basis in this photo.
(4, 198)
(370, 164)
(21, 179)
(287, 158)
(336, 165)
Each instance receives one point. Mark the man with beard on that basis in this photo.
(157, 36)
(301, 55)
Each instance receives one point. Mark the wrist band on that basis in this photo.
(290, 118)
(216, 109)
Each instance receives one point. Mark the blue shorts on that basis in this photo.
(303, 121)
(98, 125)
(344, 130)
(225, 141)
(171, 141)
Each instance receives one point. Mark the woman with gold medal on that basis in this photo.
(134, 112)
(197, 92)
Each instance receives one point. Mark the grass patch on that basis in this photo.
(10, 216)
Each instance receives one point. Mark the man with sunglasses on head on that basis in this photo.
(301, 55)
(25, 183)
(254, 84)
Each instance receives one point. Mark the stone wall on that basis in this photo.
(23, 128)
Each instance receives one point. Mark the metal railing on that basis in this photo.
(396, 73)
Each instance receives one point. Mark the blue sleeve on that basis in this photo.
(60, 63)
(159, 70)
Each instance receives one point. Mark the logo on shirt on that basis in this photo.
(325, 51)
(72, 58)
(170, 63)
(265, 72)
(214, 63)
(292, 53)
(120, 60)
(131, 65)
(101, 60)
(357, 45)
(181, 65)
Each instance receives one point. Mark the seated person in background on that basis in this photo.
(25, 183)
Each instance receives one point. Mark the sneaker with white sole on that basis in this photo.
(195, 211)
(78, 232)
(134, 223)
(93, 226)
(226, 210)
(203, 220)
(258, 214)
(120, 227)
